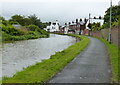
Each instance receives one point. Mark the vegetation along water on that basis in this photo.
(26, 28)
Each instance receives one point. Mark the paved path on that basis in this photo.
(91, 66)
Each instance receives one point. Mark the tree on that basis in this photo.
(95, 26)
(2, 18)
(22, 20)
(34, 20)
(13, 22)
(27, 21)
(115, 15)
(3, 21)
(18, 18)
(33, 27)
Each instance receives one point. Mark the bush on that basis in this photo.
(32, 27)
(10, 33)
(5, 22)
(116, 23)
(6, 37)
(9, 29)
(37, 29)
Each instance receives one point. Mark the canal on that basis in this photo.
(21, 54)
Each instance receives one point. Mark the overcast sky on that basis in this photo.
(51, 10)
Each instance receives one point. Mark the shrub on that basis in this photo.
(42, 31)
(37, 29)
(32, 27)
(116, 23)
(9, 29)
(5, 36)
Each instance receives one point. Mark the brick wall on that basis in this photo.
(116, 35)
(96, 34)
(104, 33)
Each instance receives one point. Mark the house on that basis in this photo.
(66, 28)
(61, 30)
(53, 27)
(75, 27)
(79, 27)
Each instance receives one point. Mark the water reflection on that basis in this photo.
(20, 54)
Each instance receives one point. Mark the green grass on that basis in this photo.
(43, 71)
(0, 82)
(114, 59)
(10, 38)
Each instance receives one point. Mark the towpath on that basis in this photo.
(90, 66)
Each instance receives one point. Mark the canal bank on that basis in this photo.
(43, 71)
(21, 54)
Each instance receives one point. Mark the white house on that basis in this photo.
(66, 29)
(53, 27)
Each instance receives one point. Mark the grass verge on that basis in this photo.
(43, 71)
(0, 82)
(114, 59)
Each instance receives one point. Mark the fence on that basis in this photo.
(104, 33)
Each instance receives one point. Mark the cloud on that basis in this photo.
(50, 10)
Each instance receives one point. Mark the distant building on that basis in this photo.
(66, 28)
(79, 27)
(53, 27)
(74, 28)
(17, 26)
(62, 29)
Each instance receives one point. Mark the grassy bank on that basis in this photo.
(114, 59)
(6, 37)
(0, 82)
(10, 33)
(43, 71)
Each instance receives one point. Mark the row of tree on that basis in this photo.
(24, 21)
(115, 17)
(31, 28)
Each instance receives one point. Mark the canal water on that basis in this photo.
(21, 54)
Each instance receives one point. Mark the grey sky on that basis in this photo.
(50, 10)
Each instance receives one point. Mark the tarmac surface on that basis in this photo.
(90, 66)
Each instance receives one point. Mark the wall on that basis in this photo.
(115, 35)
